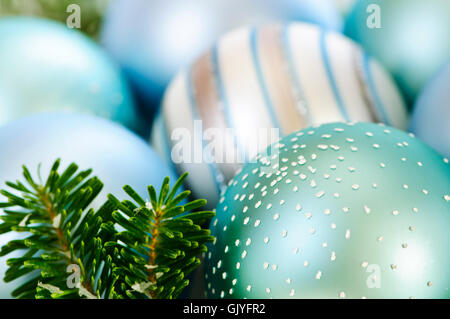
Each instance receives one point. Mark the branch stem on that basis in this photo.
(52, 214)
(154, 241)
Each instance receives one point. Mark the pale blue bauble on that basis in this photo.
(413, 40)
(47, 67)
(336, 211)
(431, 116)
(154, 39)
(117, 156)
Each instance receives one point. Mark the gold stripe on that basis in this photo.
(278, 79)
(206, 95)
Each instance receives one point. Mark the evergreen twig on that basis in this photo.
(160, 243)
(62, 234)
(157, 245)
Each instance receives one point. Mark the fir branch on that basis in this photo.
(62, 233)
(160, 244)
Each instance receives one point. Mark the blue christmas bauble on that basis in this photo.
(410, 37)
(47, 67)
(154, 39)
(431, 116)
(278, 77)
(117, 156)
(337, 211)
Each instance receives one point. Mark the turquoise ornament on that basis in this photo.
(431, 116)
(337, 211)
(47, 67)
(117, 156)
(412, 41)
(154, 39)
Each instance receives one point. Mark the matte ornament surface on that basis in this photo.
(46, 67)
(154, 39)
(117, 156)
(431, 118)
(285, 77)
(411, 38)
(340, 211)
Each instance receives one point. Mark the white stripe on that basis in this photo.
(246, 103)
(343, 61)
(312, 75)
(178, 114)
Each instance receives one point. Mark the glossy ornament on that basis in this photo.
(411, 38)
(431, 118)
(117, 156)
(338, 211)
(285, 77)
(154, 39)
(47, 67)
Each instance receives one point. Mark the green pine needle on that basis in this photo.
(160, 243)
(61, 234)
(71, 251)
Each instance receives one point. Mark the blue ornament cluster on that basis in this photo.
(340, 210)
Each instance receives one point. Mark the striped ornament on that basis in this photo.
(285, 76)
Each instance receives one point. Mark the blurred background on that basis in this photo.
(93, 11)
(150, 41)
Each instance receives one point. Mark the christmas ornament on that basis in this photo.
(431, 118)
(410, 37)
(117, 156)
(48, 67)
(154, 39)
(285, 77)
(338, 211)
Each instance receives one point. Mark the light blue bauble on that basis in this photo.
(47, 67)
(117, 156)
(431, 116)
(336, 211)
(154, 39)
(413, 40)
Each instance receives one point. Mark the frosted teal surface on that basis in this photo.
(343, 211)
